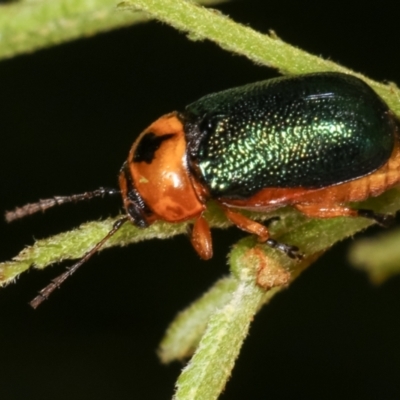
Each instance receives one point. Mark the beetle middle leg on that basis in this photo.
(261, 231)
(320, 210)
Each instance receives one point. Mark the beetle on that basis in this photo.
(314, 141)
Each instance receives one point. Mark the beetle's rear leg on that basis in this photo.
(261, 231)
(384, 220)
(318, 210)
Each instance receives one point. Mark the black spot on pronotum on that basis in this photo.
(148, 145)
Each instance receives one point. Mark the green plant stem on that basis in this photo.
(207, 372)
(26, 26)
(311, 235)
(261, 48)
(211, 365)
(184, 334)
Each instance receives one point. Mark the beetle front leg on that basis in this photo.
(200, 237)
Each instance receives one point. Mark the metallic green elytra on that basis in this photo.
(308, 131)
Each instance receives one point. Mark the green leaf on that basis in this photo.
(379, 256)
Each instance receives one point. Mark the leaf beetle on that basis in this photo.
(314, 141)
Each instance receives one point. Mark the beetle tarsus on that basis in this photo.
(289, 250)
(384, 220)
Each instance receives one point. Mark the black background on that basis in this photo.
(68, 117)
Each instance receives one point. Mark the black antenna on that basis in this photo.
(43, 205)
(56, 282)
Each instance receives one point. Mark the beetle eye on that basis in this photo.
(148, 145)
(137, 216)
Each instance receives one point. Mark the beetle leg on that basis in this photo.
(319, 210)
(247, 224)
(261, 231)
(200, 237)
(291, 251)
(384, 220)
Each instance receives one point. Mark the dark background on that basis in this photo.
(68, 117)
